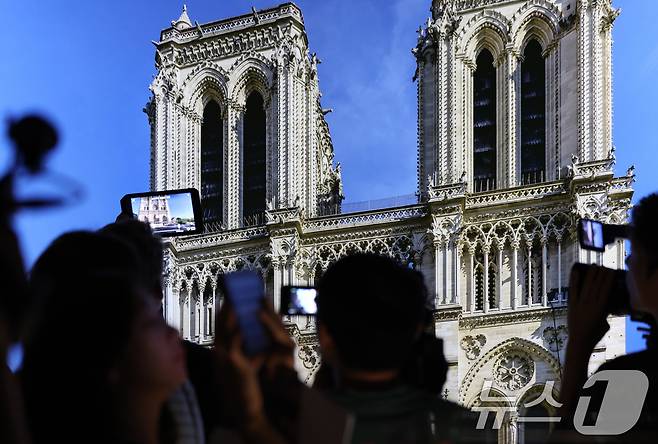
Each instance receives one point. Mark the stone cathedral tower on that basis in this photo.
(236, 113)
(514, 146)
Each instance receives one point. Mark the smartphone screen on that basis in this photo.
(299, 301)
(591, 235)
(245, 292)
(169, 213)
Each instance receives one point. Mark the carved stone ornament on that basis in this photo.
(555, 337)
(445, 192)
(473, 345)
(513, 370)
(309, 355)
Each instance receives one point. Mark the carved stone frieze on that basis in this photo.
(445, 192)
(507, 318)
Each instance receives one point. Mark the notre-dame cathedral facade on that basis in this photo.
(514, 146)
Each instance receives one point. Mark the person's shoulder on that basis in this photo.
(640, 360)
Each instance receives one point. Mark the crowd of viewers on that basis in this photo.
(101, 364)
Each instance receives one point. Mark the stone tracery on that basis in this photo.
(513, 370)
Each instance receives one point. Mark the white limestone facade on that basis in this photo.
(495, 253)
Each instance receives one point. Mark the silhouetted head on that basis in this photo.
(643, 260)
(97, 340)
(34, 137)
(148, 248)
(79, 253)
(370, 313)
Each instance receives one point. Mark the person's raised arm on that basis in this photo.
(242, 392)
(13, 426)
(586, 322)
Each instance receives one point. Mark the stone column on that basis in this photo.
(552, 79)
(161, 104)
(471, 278)
(499, 276)
(192, 172)
(175, 310)
(197, 317)
(529, 282)
(202, 314)
(456, 275)
(188, 313)
(215, 309)
(510, 429)
(169, 303)
(595, 19)
(288, 272)
(439, 249)
(467, 70)
(447, 271)
(514, 268)
(234, 162)
(277, 271)
(544, 271)
(485, 278)
(559, 267)
(512, 127)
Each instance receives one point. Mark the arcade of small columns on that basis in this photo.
(515, 264)
(487, 267)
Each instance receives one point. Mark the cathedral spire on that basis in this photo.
(183, 21)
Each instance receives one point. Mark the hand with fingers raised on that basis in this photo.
(590, 288)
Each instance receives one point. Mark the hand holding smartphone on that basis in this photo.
(245, 292)
(169, 213)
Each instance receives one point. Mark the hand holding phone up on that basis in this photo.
(250, 340)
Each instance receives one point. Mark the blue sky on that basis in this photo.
(88, 64)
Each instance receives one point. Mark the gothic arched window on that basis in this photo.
(533, 114)
(484, 123)
(254, 160)
(212, 164)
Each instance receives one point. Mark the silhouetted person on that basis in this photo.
(100, 362)
(588, 299)
(33, 138)
(188, 414)
(371, 315)
(217, 375)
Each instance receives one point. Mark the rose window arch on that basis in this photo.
(513, 370)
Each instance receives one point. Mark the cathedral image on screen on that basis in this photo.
(154, 210)
(514, 147)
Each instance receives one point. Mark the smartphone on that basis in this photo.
(169, 213)
(245, 292)
(590, 235)
(298, 300)
(594, 235)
